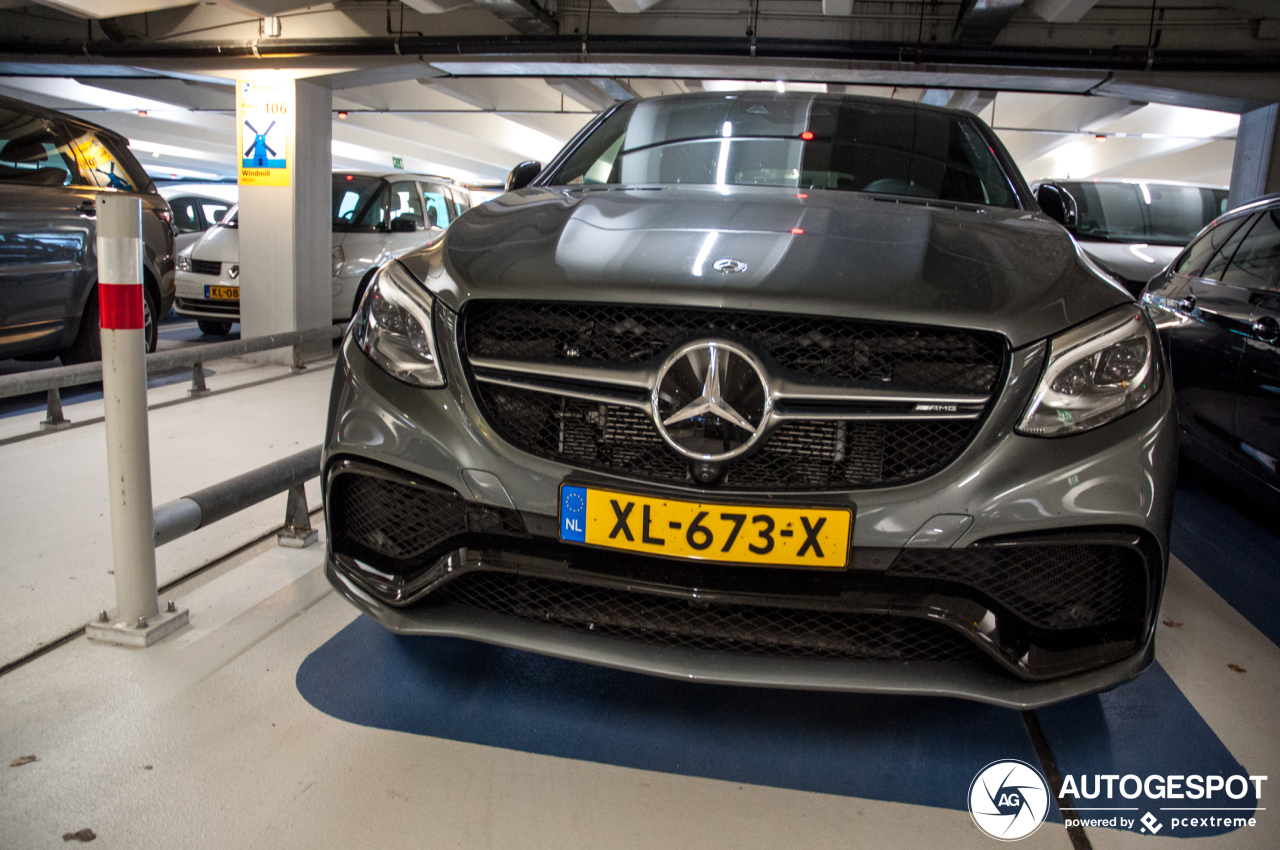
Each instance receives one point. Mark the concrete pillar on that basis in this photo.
(285, 231)
(1256, 168)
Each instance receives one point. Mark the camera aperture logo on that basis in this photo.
(1008, 799)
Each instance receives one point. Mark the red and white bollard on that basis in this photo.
(139, 620)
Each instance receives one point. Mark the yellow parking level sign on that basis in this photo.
(264, 121)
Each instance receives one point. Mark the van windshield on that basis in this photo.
(799, 142)
(1154, 213)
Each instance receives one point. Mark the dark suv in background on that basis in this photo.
(1218, 308)
(52, 166)
(1132, 228)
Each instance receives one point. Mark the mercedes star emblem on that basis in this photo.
(728, 265)
(711, 400)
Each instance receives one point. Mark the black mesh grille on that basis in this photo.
(744, 629)
(824, 348)
(1054, 587)
(798, 455)
(231, 308)
(405, 523)
(206, 267)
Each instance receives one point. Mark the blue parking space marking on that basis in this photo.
(1232, 553)
(901, 749)
(1143, 728)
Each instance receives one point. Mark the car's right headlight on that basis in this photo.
(183, 261)
(1097, 372)
(393, 326)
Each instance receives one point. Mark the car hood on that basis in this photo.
(218, 244)
(826, 253)
(1135, 262)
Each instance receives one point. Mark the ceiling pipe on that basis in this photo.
(1113, 59)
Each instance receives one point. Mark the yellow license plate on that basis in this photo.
(222, 293)
(674, 528)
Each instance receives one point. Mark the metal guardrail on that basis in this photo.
(185, 515)
(52, 380)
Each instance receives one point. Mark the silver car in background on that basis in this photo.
(375, 219)
(784, 390)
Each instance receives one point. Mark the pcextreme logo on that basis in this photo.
(1008, 799)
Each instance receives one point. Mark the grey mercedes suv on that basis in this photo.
(783, 390)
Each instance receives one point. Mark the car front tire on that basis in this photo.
(87, 346)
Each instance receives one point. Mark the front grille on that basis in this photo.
(206, 267)
(743, 629)
(828, 349)
(405, 523)
(798, 455)
(1049, 586)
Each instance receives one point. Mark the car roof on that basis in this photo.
(400, 175)
(1128, 180)
(54, 115)
(226, 192)
(764, 95)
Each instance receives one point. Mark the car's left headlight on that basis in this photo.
(1096, 373)
(393, 327)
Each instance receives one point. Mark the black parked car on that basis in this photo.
(52, 166)
(1218, 309)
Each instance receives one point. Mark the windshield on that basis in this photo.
(805, 142)
(1144, 212)
(357, 202)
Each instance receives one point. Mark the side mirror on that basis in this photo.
(403, 224)
(1057, 203)
(522, 175)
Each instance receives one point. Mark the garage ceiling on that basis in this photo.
(468, 88)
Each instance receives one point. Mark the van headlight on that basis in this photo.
(1097, 372)
(393, 327)
(183, 260)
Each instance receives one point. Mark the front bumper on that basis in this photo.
(190, 300)
(976, 681)
(1113, 480)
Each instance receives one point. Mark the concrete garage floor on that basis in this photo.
(280, 719)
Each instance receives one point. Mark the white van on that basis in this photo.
(376, 217)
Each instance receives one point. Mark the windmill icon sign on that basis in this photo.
(259, 153)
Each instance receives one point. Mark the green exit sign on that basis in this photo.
(397, 162)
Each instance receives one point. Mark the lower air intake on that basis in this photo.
(743, 629)
(1049, 586)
